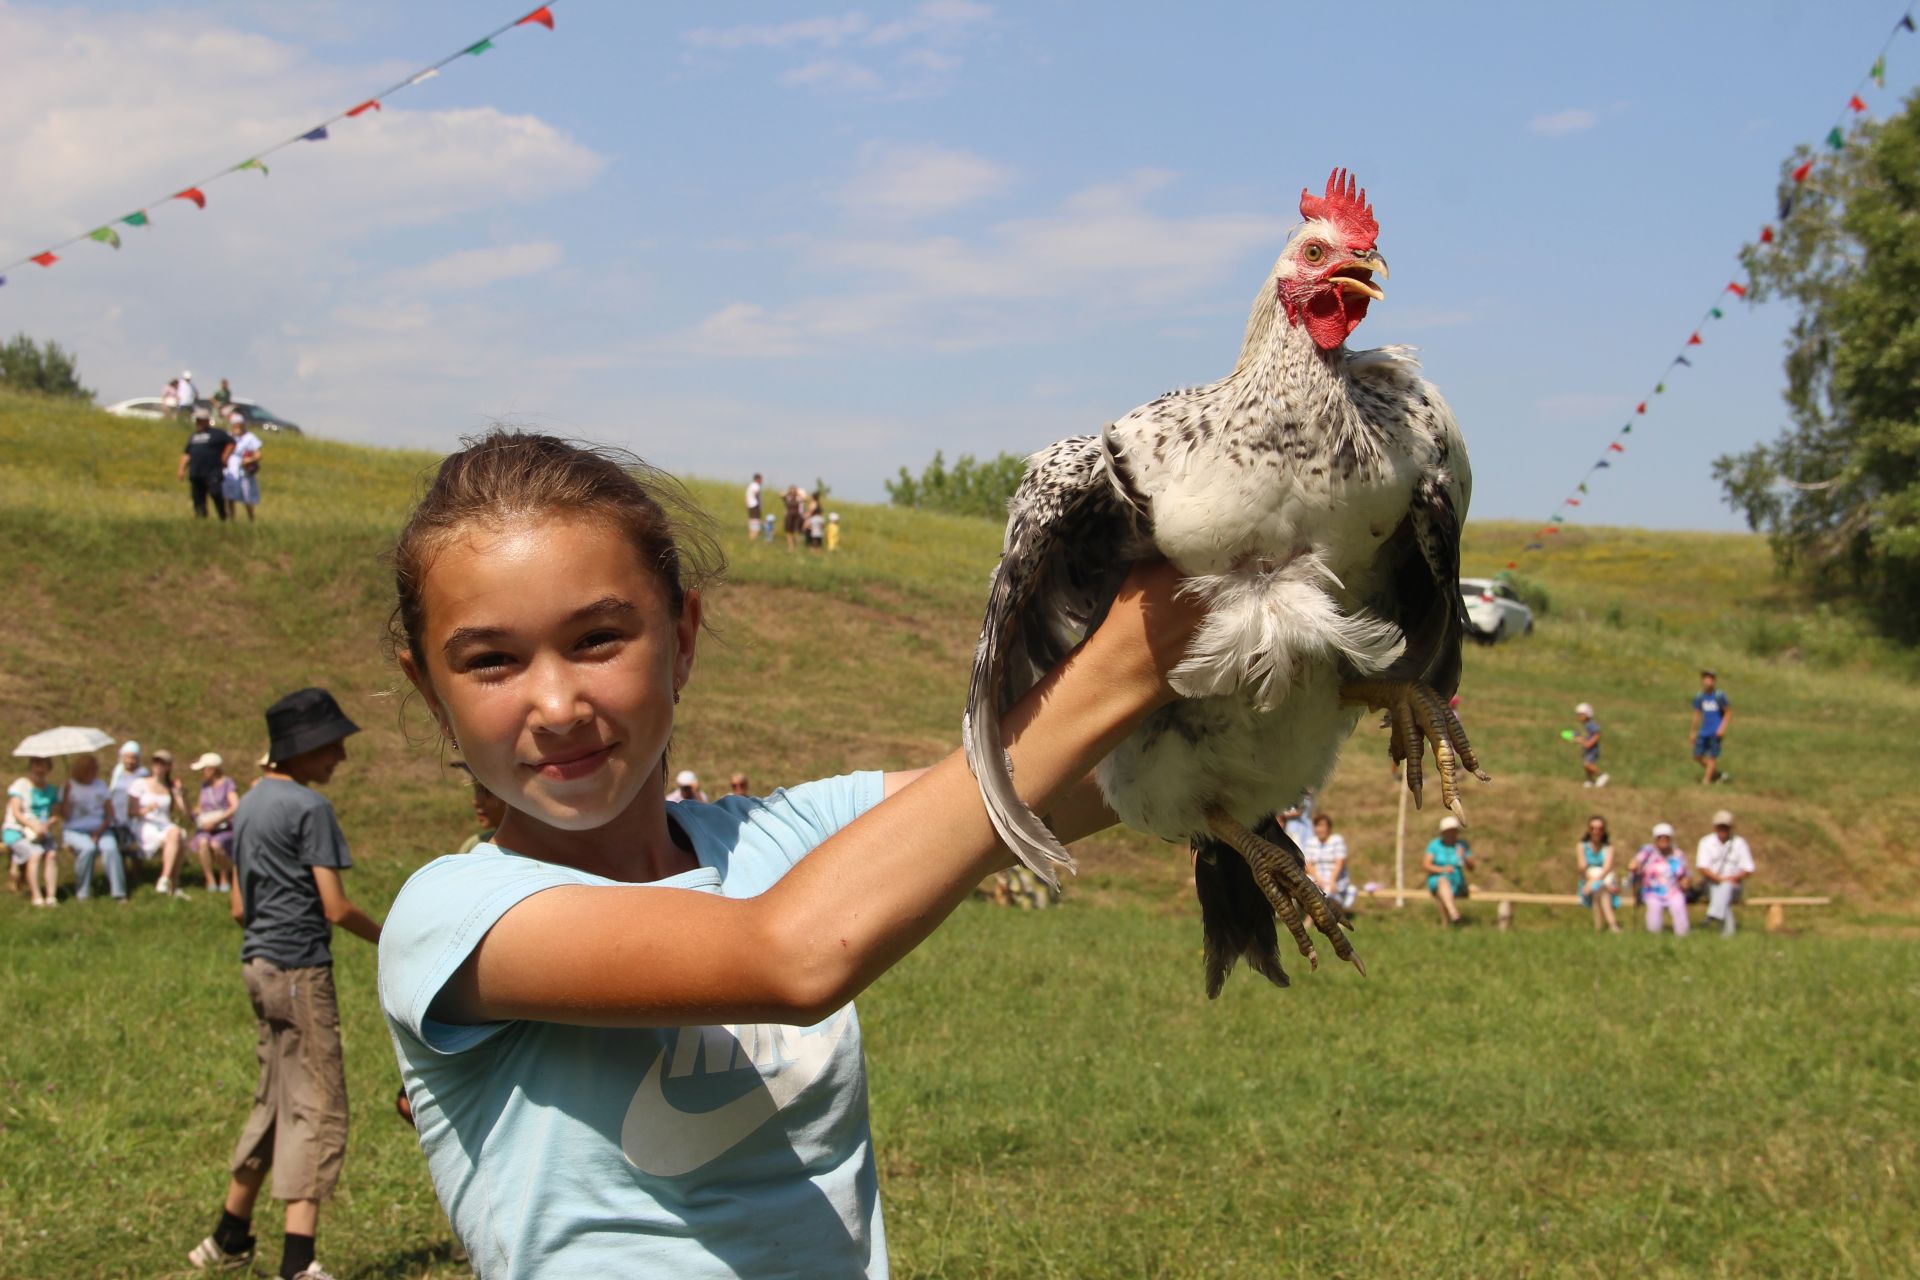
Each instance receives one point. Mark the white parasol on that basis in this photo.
(67, 740)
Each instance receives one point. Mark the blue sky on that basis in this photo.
(817, 240)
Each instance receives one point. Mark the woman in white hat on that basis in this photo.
(686, 786)
(213, 823)
(1660, 871)
(1449, 858)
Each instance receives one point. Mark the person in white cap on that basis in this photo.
(1723, 861)
(686, 786)
(185, 395)
(1660, 871)
(213, 822)
(1449, 858)
(1587, 738)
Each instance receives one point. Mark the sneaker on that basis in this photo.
(164, 888)
(1587, 783)
(315, 1271)
(1601, 781)
(209, 1256)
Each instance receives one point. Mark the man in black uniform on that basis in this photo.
(203, 461)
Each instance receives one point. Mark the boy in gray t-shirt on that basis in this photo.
(288, 853)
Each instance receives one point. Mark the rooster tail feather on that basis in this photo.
(1260, 626)
(1236, 921)
(1019, 828)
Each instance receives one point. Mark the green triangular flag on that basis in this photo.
(1879, 72)
(1716, 313)
(480, 48)
(1583, 486)
(1627, 430)
(105, 235)
(136, 219)
(1659, 387)
(252, 164)
(1834, 139)
(1559, 519)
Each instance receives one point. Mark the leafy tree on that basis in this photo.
(1838, 493)
(968, 487)
(49, 370)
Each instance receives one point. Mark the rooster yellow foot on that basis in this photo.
(1417, 715)
(1281, 873)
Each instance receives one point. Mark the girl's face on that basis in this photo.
(38, 768)
(1322, 828)
(1596, 829)
(553, 660)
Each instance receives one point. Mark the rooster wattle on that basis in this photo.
(1313, 498)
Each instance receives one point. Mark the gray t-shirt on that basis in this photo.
(280, 832)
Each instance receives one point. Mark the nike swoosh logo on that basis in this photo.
(660, 1139)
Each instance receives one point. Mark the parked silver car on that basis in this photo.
(257, 416)
(1494, 611)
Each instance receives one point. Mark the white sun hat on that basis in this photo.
(687, 778)
(208, 760)
(1449, 823)
(1584, 709)
(1662, 829)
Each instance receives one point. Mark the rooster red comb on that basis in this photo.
(1345, 205)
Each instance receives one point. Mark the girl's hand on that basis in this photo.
(1146, 632)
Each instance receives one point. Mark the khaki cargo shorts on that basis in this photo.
(298, 1127)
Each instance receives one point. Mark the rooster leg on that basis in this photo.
(1417, 715)
(1281, 873)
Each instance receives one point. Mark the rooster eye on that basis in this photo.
(1314, 253)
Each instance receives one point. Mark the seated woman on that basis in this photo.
(1599, 883)
(1326, 855)
(1661, 872)
(151, 800)
(213, 823)
(87, 803)
(32, 802)
(1448, 860)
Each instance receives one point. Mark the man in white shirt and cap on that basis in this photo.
(1723, 861)
(187, 396)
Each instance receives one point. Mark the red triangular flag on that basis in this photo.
(1513, 564)
(542, 15)
(1766, 235)
(44, 259)
(371, 104)
(1800, 174)
(1694, 341)
(1856, 104)
(1642, 407)
(194, 194)
(1616, 447)
(1737, 289)
(1573, 502)
(1552, 528)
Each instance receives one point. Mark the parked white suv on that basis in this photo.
(1494, 612)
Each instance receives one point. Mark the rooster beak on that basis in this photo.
(1369, 260)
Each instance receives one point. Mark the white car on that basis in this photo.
(257, 417)
(1494, 611)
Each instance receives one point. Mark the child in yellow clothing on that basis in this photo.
(833, 531)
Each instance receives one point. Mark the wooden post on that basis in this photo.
(1776, 918)
(1400, 849)
(1506, 914)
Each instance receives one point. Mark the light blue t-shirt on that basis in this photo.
(647, 1151)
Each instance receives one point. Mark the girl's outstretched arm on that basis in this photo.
(646, 956)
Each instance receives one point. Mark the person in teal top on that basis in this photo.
(1448, 860)
(28, 832)
(1599, 882)
(626, 1028)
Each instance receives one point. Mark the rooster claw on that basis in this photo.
(1417, 715)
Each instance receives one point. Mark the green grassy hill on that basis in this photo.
(1052, 1096)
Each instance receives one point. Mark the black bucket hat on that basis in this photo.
(305, 721)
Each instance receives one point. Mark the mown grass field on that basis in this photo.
(1052, 1094)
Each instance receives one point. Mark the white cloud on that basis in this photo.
(910, 56)
(476, 268)
(910, 181)
(1558, 124)
(1105, 250)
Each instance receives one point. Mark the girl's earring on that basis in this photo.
(676, 697)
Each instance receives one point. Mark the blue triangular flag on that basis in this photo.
(1602, 463)
(1786, 206)
(315, 135)
(1907, 22)
(1683, 360)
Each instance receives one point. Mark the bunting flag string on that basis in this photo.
(1835, 140)
(141, 217)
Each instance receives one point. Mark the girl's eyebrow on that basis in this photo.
(604, 607)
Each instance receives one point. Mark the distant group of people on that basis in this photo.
(221, 459)
(806, 521)
(138, 815)
(1711, 713)
(1658, 874)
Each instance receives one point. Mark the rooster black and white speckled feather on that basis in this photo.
(1313, 498)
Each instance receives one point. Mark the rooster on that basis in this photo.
(1313, 498)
